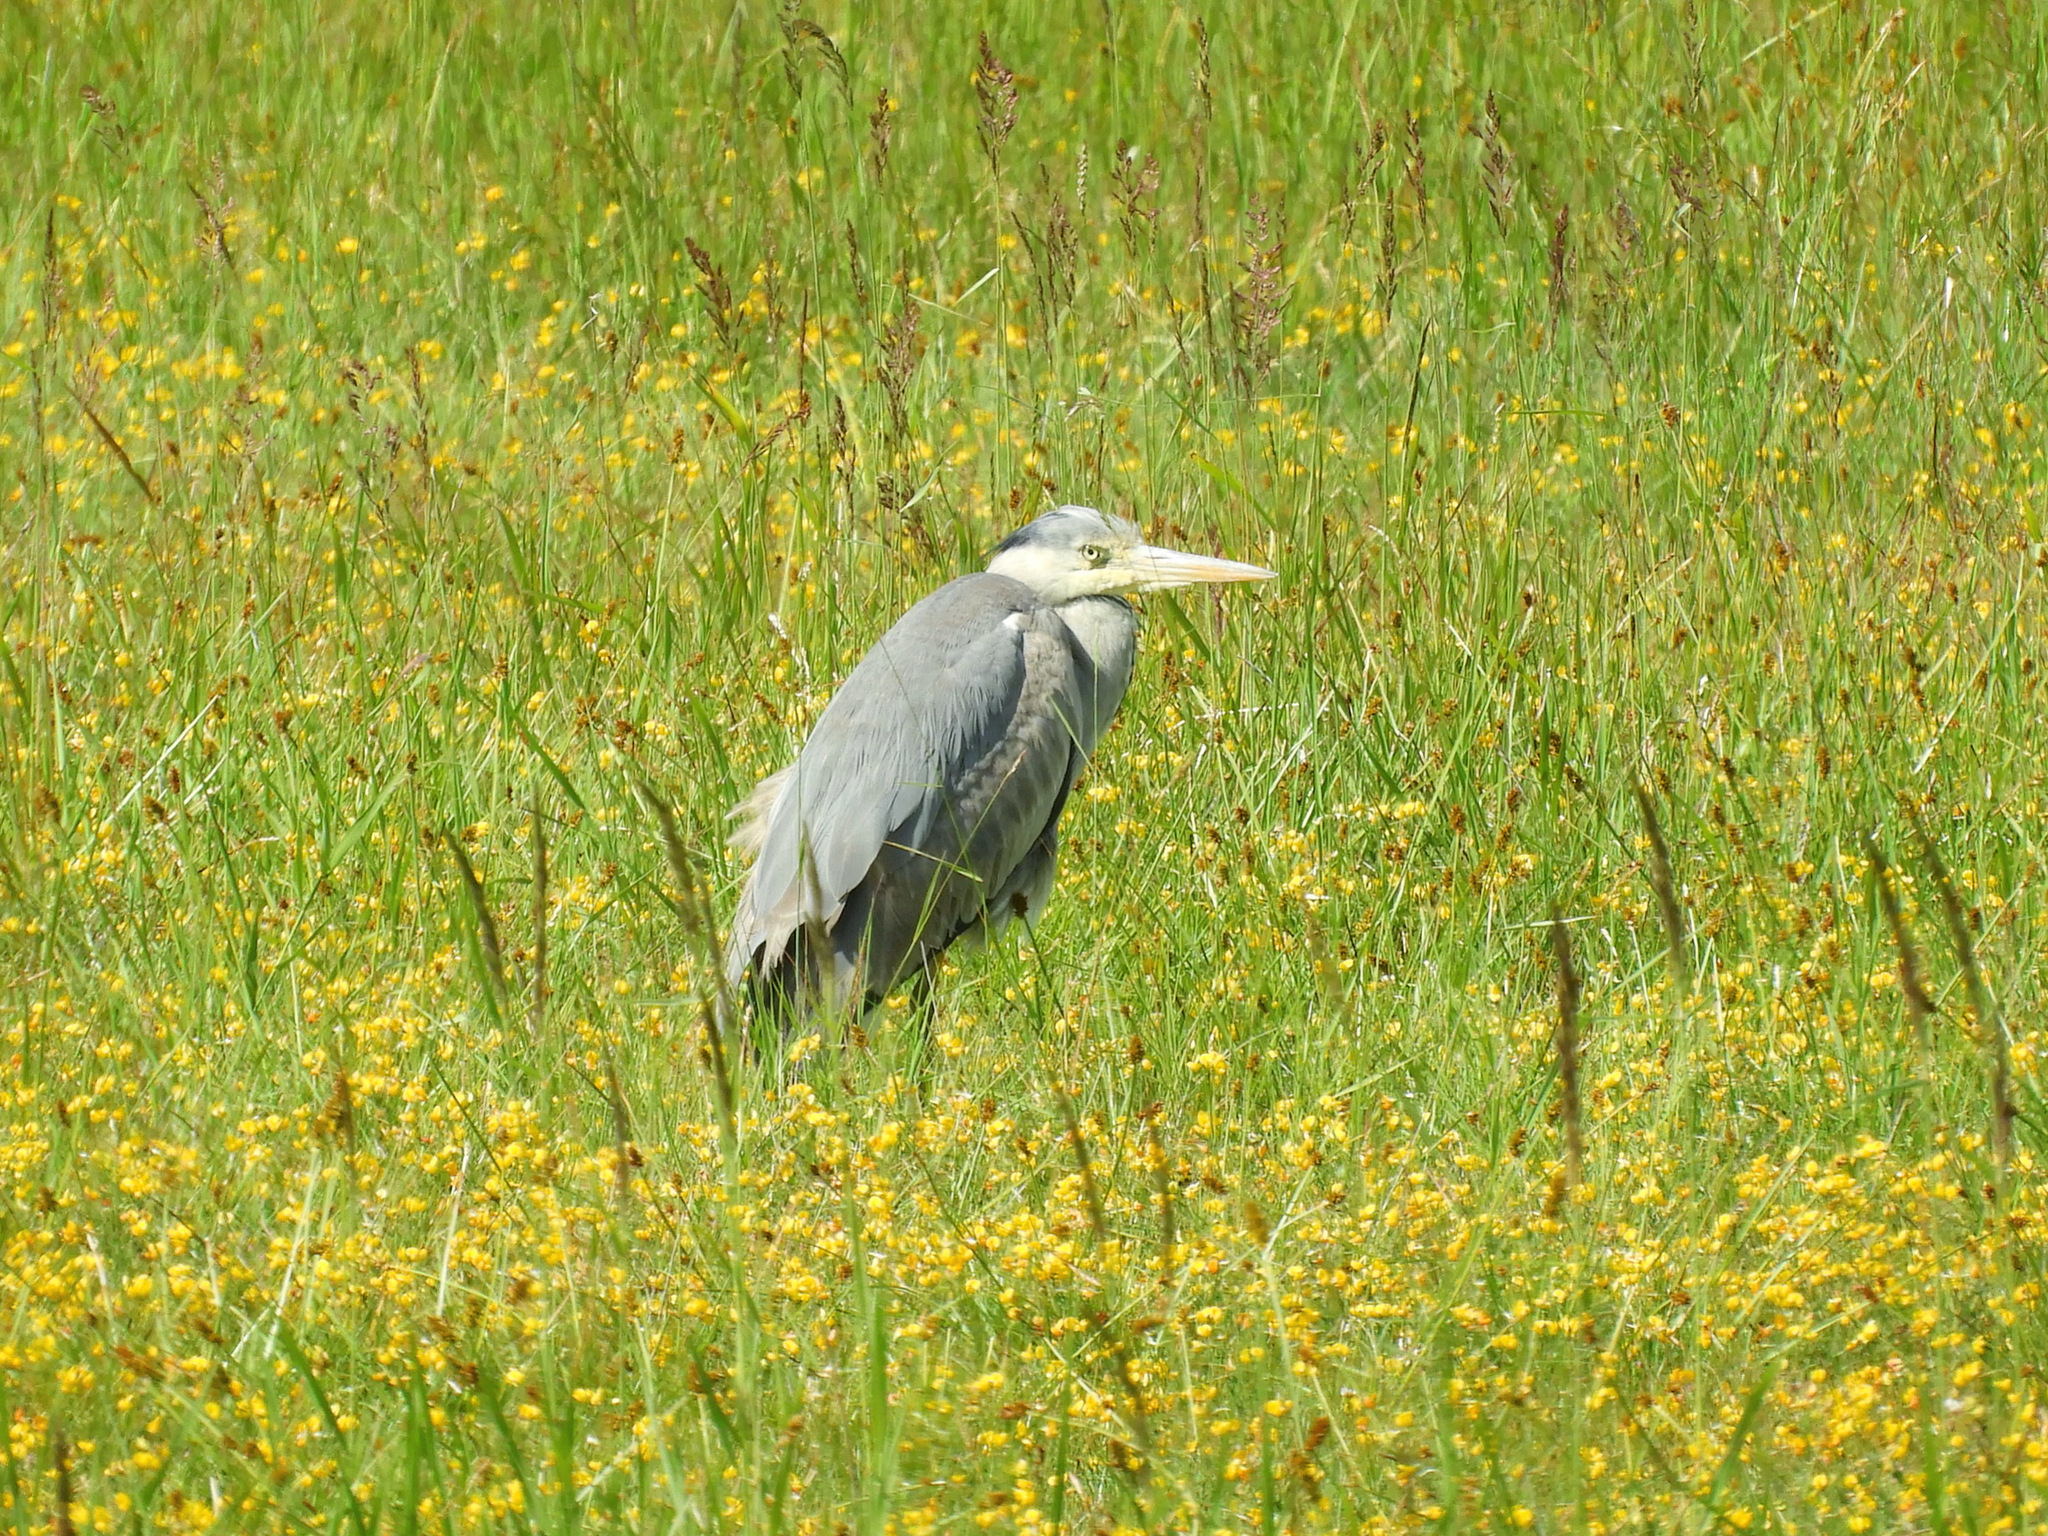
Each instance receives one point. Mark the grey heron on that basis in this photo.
(924, 808)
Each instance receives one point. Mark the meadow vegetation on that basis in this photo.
(423, 425)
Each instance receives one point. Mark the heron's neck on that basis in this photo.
(1107, 629)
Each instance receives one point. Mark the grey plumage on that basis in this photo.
(925, 805)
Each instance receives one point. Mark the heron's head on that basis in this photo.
(1075, 552)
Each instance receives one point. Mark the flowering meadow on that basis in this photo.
(1540, 1026)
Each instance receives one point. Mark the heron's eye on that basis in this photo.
(1095, 554)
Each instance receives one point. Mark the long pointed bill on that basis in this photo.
(1159, 569)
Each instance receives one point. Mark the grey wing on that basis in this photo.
(927, 782)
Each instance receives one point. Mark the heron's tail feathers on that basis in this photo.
(751, 814)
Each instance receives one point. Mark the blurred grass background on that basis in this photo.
(417, 420)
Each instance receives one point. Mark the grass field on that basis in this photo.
(420, 422)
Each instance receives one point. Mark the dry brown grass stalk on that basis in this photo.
(1162, 1173)
(1098, 1225)
(1997, 1047)
(337, 1117)
(486, 925)
(1919, 1006)
(1560, 267)
(61, 1523)
(694, 908)
(1569, 991)
(1667, 891)
(995, 87)
(537, 1003)
(1498, 170)
(622, 1129)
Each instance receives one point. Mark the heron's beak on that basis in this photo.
(1157, 569)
